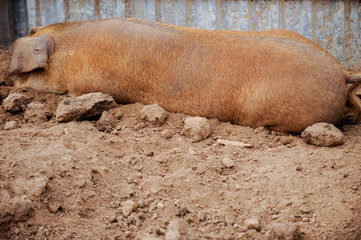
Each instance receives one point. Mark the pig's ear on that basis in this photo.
(33, 30)
(30, 53)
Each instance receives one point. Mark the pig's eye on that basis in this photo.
(36, 49)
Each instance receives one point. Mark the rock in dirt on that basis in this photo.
(34, 186)
(153, 115)
(84, 107)
(285, 140)
(182, 211)
(17, 208)
(178, 229)
(252, 223)
(4, 92)
(196, 128)
(139, 126)
(118, 113)
(262, 130)
(128, 207)
(285, 231)
(323, 134)
(10, 125)
(166, 134)
(15, 102)
(36, 113)
(227, 162)
(106, 122)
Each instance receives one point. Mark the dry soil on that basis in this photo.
(71, 181)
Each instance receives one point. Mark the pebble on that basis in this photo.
(10, 125)
(323, 135)
(160, 205)
(149, 154)
(298, 168)
(305, 210)
(153, 115)
(354, 187)
(118, 113)
(15, 102)
(223, 178)
(36, 113)
(286, 140)
(178, 229)
(35, 186)
(139, 126)
(85, 106)
(119, 127)
(230, 219)
(240, 228)
(105, 122)
(262, 130)
(196, 128)
(182, 211)
(166, 134)
(202, 216)
(128, 207)
(286, 231)
(252, 223)
(227, 162)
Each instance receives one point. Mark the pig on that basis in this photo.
(276, 79)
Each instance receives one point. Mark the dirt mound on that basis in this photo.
(133, 181)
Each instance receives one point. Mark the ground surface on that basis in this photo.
(71, 181)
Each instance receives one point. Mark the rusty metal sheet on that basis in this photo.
(335, 25)
(199, 14)
(111, 9)
(150, 10)
(80, 10)
(298, 17)
(324, 24)
(230, 14)
(263, 15)
(165, 11)
(353, 40)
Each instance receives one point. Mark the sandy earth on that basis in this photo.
(71, 181)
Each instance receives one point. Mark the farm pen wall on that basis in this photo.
(334, 25)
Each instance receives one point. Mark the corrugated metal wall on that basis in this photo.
(335, 25)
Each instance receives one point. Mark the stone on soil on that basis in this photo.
(128, 207)
(118, 113)
(227, 162)
(36, 113)
(286, 231)
(106, 122)
(4, 92)
(196, 128)
(323, 135)
(15, 102)
(34, 186)
(10, 125)
(16, 208)
(178, 229)
(286, 140)
(153, 115)
(166, 134)
(84, 107)
(252, 223)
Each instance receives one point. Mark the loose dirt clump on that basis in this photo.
(134, 180)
